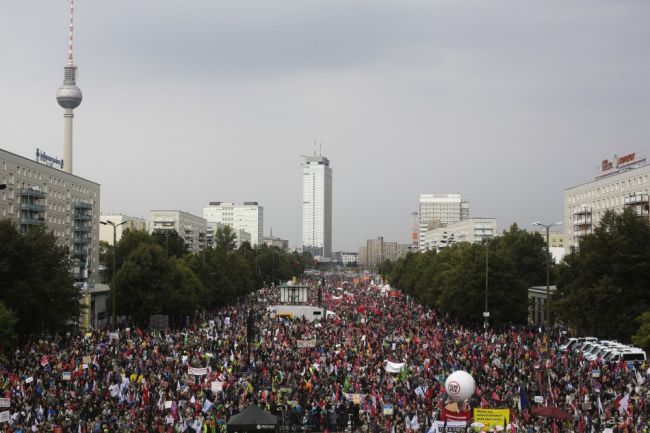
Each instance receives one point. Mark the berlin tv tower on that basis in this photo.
(69, 97)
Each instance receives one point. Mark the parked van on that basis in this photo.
(628, 355)
(572, 343)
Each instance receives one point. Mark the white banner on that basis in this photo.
(197, 371)
(5, 416)
(306, 343)
(114, 335)
(5, 402)
(216, 386)
(450, 427)
(394, 367)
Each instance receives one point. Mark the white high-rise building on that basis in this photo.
(317, 206)
(437, 209)
(248, 217)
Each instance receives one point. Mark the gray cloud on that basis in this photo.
(507, 102)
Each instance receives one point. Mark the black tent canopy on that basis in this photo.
(252, 418)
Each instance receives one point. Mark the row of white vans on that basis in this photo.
(603, 350)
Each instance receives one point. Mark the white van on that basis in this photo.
(628, 355)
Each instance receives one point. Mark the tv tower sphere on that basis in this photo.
(69, 95)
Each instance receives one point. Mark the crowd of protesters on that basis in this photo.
(194, 379)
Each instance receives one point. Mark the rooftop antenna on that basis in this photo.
(320, 149)
(70, 33)
(315, 148)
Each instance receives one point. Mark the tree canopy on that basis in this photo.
(603, 285)
(36, 284)
(454, 279)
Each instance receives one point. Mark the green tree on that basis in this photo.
(225, 238)
(171, 242)
(36, 282)
(642, 336)
(7, 322)
(603, 286)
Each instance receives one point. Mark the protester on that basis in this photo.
(195, 379)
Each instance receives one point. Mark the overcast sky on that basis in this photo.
(188, 101)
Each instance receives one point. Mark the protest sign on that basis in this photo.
(5, 416)
(388, 410)
(448, 427)
(197, 371)
(67, 375)
(302, 344)
(491, 418)
(216, 386)
(5, 402)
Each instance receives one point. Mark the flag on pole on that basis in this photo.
(44, 361)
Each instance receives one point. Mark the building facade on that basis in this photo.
(241, 236)
(620, 183)
(472, 230)
(437, 209)
(247, 217)
(376, 251)
(190, 227)
(317, 206)
(122, 223)
(68, 205)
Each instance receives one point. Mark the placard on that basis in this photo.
(216, 386)
(449, 427)
(5, 402)
(5, 416)
(388, 410)
(66, 375)
(302, 344)
(538, 399)
(491, 418)
(197, 371)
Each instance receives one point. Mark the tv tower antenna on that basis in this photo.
(69, 96)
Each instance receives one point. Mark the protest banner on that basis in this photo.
(388, 410)
(5, 402)
(66, 375)
(448, 427)
(5, 416)
(303, 344)
(197, 371)
(87, 360)
(491, 418)
(113, 335)
(30, 379)
(394, 367)
(216, 386)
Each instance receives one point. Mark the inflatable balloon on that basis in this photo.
(460, 385)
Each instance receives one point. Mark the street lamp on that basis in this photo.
(115, 226)
(486, 313)
(548, 271)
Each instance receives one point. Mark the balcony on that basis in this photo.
(30, 192)
(82, 205)
(582, 211)
(82, 228)
(32, 221)
(582, 221)
(81, 240)
(83, 217)
(636, 199)
(580, 233)
(32, 207)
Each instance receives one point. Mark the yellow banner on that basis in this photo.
(491, 417)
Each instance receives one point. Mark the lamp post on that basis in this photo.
(548, 271)
(115, 226)
(486, 313)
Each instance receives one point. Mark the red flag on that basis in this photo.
(44, 361)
